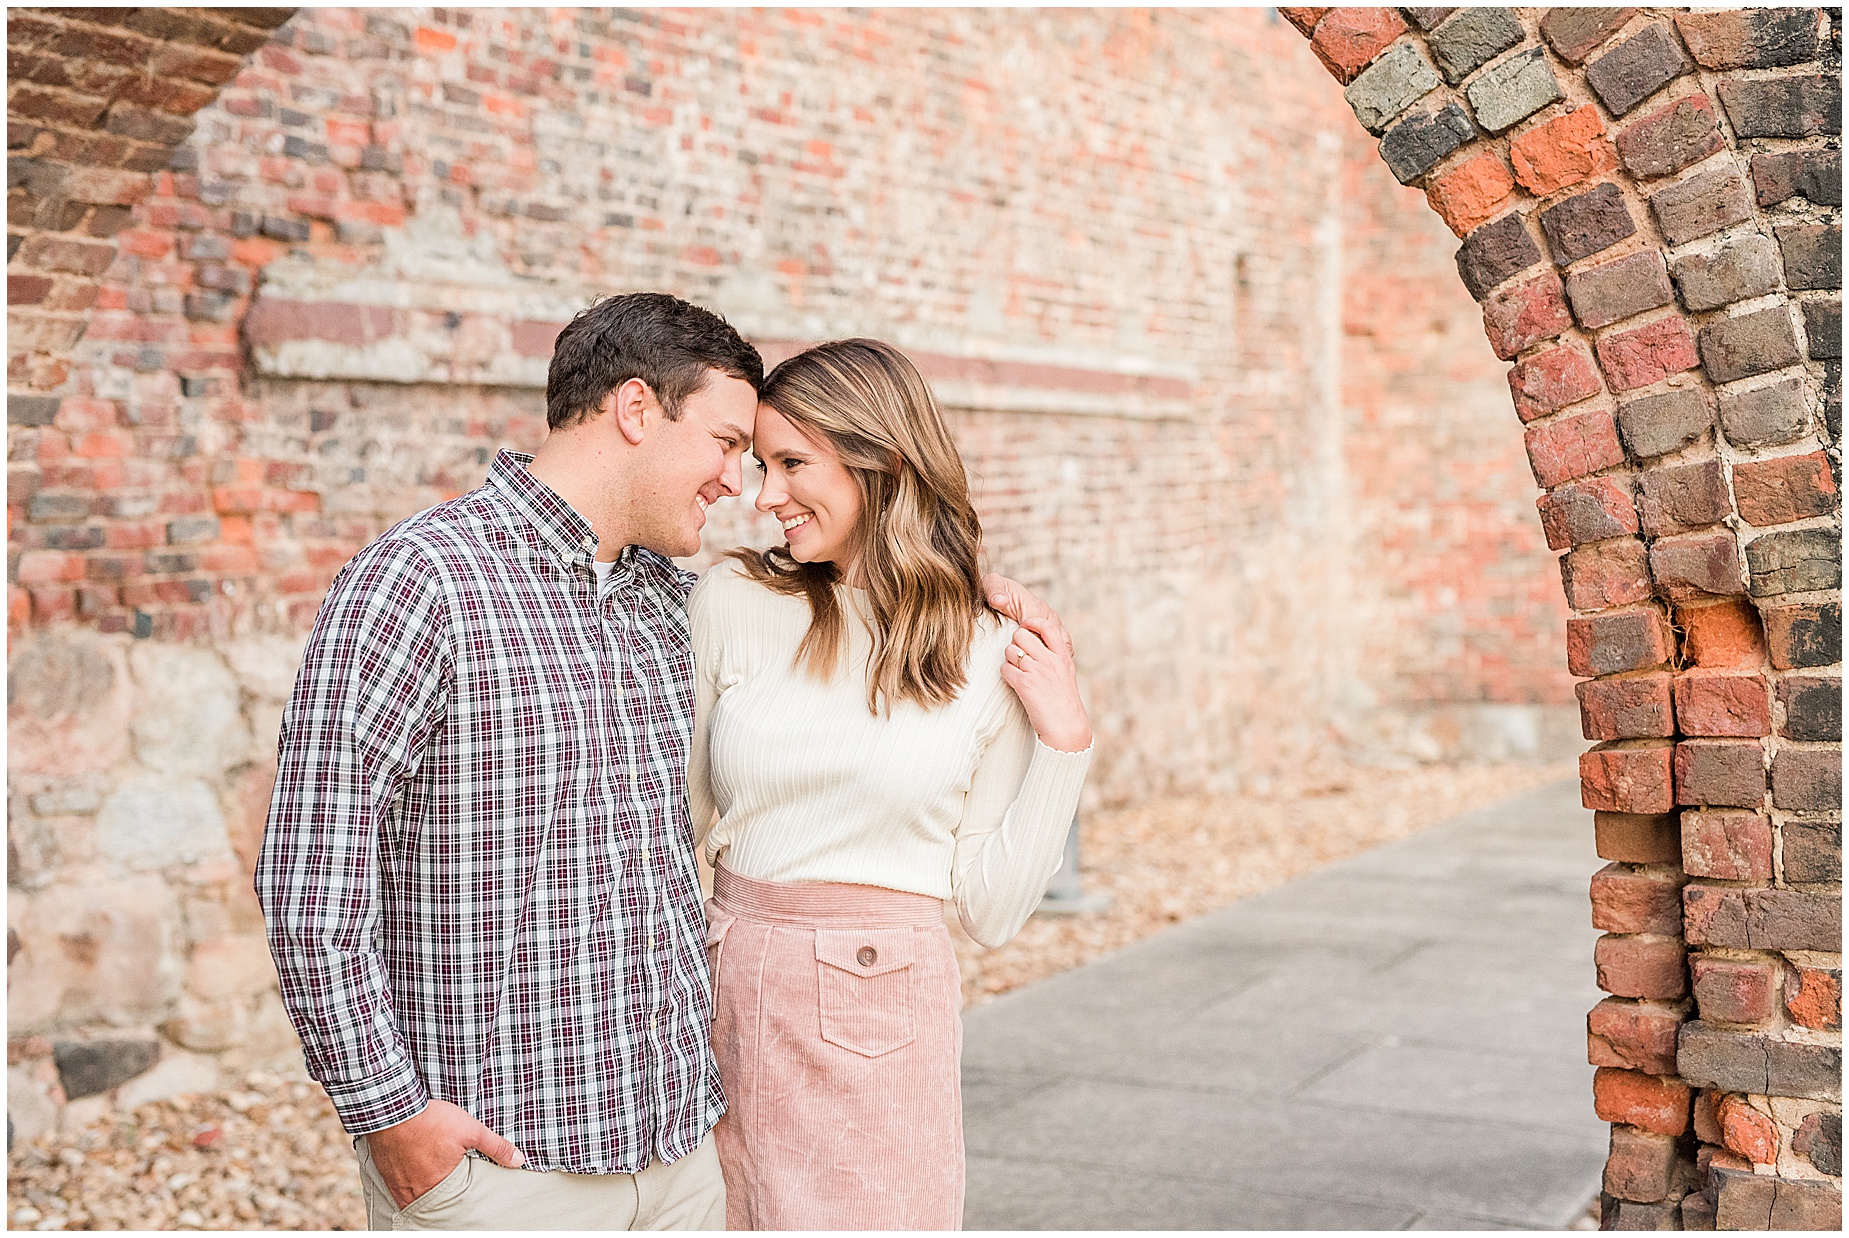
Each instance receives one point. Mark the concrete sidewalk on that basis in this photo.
(1396, 1041)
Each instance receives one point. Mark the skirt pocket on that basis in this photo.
(865, 988)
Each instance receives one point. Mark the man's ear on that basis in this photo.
(628, 407)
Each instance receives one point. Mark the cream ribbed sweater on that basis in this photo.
(959, 802)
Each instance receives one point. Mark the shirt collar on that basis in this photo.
(560, 525)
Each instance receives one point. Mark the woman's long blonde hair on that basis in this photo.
(918, 539)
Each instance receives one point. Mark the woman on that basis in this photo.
(874, 741)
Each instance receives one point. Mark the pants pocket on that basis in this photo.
(439, 1199)
(865, 988)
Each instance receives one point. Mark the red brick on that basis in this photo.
(1671, 138)
(1647, 354)
(1635, 778)
(1527, 313)
(1815, 998)
(1648, 1102)
(1569, 447)
(1591, 510)
(1734, 991)
(1633, 1036)
(1644, 967)
(1788, 488)
(1746, 1131)
(1562, 152)
(1727, 845)
(1697, 565)
(1626, 707)
(1725, 635)
(1630, 640)
(1629, 900)
(1606, 574)
(1346, 40)
(1706, 1116)
(1722, 772)
(1552, 380)
(1472, 193)
(1708, 703)
(1638, 838)
(1641, 1166)
(1304, 19)
(1762, 919)
(45, 567)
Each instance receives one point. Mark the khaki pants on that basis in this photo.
(479, 1194)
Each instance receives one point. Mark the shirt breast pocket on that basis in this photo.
(865, 989)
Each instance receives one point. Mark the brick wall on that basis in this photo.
(1649, 202)
(1142, 257)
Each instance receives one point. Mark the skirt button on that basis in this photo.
(868, 956)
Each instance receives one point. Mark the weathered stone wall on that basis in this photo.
(1146, 260)
(1650, 206)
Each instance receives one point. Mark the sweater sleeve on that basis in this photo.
(701, 806)
(1013, 833)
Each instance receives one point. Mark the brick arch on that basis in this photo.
(98, 100)
(1649, 202)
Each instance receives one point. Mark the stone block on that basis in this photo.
(150, 821)
(1652, 968)
(1784, 489)
(1390, 85)
(1798, 561)
(1642, 356)
(1619, 641)
(230, 966)
(1629, 707)
(1718, 704)
(1811, 851)
(1808, 779)
(1747, 344)
(1472, 38)
(1804, 634)
(177, 1074)
(1701, 204)
(1637, 838)
(1757, 1064)
(1731, 991)
(1694, 565)
(1575, 32)
(1495, 253)
(68, 702)
(1801, 105)
(1616, 290)
(1523, 314)
(1637, 68)
(1573, 446)
(1739, 268)
(1762, 919)
(1727, 845)
(1415, 145)
(1764, 416)
(1552, 380)
(1510, 92)
(87, 1068)
(1813, 708)
(1720, 772)
(1606, 574)
(1750, 38)
(1813, 174)
(1813, 254)
(1654, 424)
(1587, 223)
(188, 719)
(1561, 152)
(102, 951)
(1670, 138)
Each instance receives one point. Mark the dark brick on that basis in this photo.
(1613, 291)
(1784, 489)
(31, 410)
(1670, 138)
(1808, 780)
(1765, 416)
(1748, 344)
(1576, 32)
(1682, 497)
(1621, 641)
(1590, 510)
(1804, 634)
(1693, 565)
(1586, 223)
(279, 228)
(1724, 773)
(1656, 424)
(1813, 255)
(1823, 330)
(1798, 106)
(1819, 1140)
(1813, 174)
(1813, 708)
(1747, 1200)
(1704, 203)
(190, 529)
(1472, 39)
(1415, 145)
(59, 507)
(1740, 268)
(145, 125)
(1494, 253)
(1746, 1062)
(1799, 561)
(1637, 68)
(1640, 1170)
(1750, 38)
(87, 1068)
(1762, 919)
(1425, 19)
(1813, 850)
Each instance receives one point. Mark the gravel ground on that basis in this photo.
(272, 1155)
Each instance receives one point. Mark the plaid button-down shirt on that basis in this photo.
(478, 873)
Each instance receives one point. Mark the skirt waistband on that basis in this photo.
(813, 902)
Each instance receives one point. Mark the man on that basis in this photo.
(477, 873)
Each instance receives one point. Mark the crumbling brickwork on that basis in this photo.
(1649, 203)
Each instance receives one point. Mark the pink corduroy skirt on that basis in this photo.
(837, 1025)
